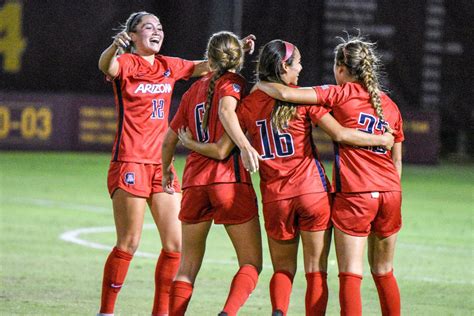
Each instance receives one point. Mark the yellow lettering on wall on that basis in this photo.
(4, 121)
(12, 44)
(419, 127)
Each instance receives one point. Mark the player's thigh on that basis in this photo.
(381, 251)
(284, 254)
(315, 249)
(349, 251)
(193, 250)
(165, 209)
(247, 241)
(129, 212)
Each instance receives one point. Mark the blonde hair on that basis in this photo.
(363, 64)
(270, 68)
(224, 52)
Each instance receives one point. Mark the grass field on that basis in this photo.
(45, 195)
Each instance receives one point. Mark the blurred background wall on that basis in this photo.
(53, 97)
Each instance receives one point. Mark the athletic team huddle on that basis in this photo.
(231, 133)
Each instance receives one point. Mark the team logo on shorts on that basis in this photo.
(236, 87)
(167, 73)
(130, 178)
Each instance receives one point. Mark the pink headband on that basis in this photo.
(289, 48)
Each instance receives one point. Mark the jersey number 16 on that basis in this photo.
(283, 141)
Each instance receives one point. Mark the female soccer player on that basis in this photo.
(367, 204)
(143, 83)
(294, 187)
(215, 189)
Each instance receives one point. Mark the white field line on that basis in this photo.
(59, 204)
(98, 209)
(73, 236)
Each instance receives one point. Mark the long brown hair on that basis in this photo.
(224, 52)
(363, 64)
(269, 68)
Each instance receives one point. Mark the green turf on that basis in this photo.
(43, 195)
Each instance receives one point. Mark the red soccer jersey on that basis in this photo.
(143, 98)
(290, 165)
(201, 170)
(358, 169)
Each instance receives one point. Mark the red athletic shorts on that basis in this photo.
(137, 178)
(308, 212)
(225, 203)
(359, 214)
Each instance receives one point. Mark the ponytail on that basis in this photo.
(224, 52)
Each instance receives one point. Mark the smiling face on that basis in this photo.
(148, 35)
(292, 71)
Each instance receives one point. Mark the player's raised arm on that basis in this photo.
(201, 67)
(108, 63)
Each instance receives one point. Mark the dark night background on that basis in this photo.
(428, 60)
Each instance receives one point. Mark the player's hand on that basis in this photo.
(388, 139)
(167, 181)
(250, 158)
(248, 43)
(122, 40)
(185, 136)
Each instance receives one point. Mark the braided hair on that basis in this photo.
(224, 52)
(363, 64)
(270, 68)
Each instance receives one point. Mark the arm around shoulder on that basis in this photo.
(281, 92)
(218, 151)
(201, 68)
(351, 136)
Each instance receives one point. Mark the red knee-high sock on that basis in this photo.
(180, 295)
(166, 269)
(389, 295)
(316, 298)
(243, 284)
(115, 271)
(349, 294)
(280, 290)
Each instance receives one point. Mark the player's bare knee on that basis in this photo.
(172, 246)
(128, 248)
(381, 268)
